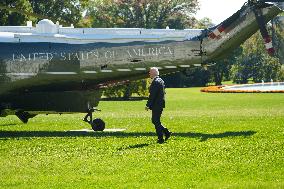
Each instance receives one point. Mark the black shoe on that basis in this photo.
(168, 135)
(160, 141)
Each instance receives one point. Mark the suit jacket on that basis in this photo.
(156, 98)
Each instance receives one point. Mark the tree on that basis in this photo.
(67, 12)
(16, 12)
(126, 90)
(142, 13)
(242, 71)
(204, 23)
(255, 63)
(278, 37)
(191, 77)
(222, 68)
(14, 18)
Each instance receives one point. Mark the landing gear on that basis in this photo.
(97, 124)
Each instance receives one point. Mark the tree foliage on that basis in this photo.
(14, 18)
(255, 63)
(204, 23)
(190, 77)
(221, 69)
(278, 37)
(63, 11)
(16, 12)
(125, 91)
(143, 13)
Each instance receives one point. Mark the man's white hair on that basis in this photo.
(155, 70)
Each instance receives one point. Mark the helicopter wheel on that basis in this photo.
(98, 124)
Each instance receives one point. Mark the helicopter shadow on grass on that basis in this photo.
(45, 134)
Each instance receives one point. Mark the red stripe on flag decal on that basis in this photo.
(267, 39)
(270, 51)
(268, 45)
(221, 29)
(216, 33)
(212, 35)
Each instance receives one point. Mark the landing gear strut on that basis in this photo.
(97, 124)
(24, 116)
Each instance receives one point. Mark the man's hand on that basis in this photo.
(146, 108)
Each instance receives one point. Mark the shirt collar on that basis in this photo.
(155, 77)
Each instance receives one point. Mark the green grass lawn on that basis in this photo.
(219, 141)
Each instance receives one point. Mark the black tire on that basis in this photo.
(98, 124)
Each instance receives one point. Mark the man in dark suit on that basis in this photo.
(156, 103)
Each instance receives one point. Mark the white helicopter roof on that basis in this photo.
(47, 31)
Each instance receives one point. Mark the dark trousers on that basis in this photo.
(156, 120)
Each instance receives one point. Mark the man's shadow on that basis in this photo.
(133, 146)
(46, 134)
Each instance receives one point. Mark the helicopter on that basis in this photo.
(50, 69)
